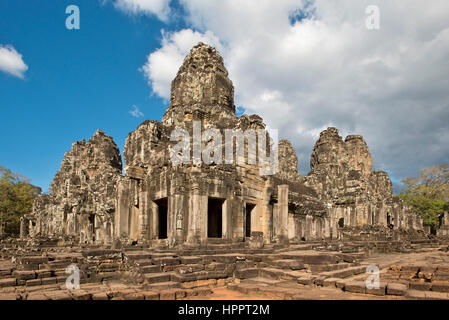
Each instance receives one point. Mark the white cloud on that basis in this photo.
(159, 8)
(390, 85)
(11, 61)
(135, 112)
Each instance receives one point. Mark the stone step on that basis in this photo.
(312, 257)
(344, 273)
(332, 267)
(143, 262)
(157, 277)
(201, 275)
(162, 285)
(7, 282)
(166, 261)
(137, 255)
(287, 264)
(151, 269)
(281, 274)
(190, 259)
(246, 273)
(224, 258)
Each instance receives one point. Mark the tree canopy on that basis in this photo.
(16, 198)
(428, 193)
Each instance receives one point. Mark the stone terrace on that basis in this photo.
(419, 271)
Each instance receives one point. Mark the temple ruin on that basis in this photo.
(155, 202)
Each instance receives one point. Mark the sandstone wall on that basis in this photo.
(82, 199)
(341, 173)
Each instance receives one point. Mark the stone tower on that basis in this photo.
(201, 87)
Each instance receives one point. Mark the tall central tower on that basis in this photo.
(201, 88)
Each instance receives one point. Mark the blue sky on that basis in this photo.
(302, 65)
(78, 81)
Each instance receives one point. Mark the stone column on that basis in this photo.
(122, 213)
(226, 219)
(237, 217)
(194, 228)
(178, 208)
(154, 224)
(282, 219)
(266, 212)
(23, 227)
(144, 230)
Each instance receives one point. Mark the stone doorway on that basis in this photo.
(92, 226)
(341, 223)
(389, 221)
(162, 205)
(215, 218)
(249, 209)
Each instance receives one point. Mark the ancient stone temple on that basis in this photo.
(159, 201)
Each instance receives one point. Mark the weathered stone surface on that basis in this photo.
(288, 162)
(161, 202)
(82, 200)
(397, 289)
(356, 196)
(355, 286)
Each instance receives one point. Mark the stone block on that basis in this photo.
(33, 282)
(246, 273)
(79, 294)
(134, 296)
(151, 295)
(24, 275)
(169, 294)
(380, 291)
(202, 291)
(355, 286)
(330, 282)
(305, 281)
(58, 295)
(100, 296)
(48, 281)
(416, 294)
(440, 286)
(420, 285)
(157, 277)
(8, 282)
(397, 289)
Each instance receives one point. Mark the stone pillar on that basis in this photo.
(23, 227)
(154, 224)
(178, 208)
(122, 213)
(197, 229)
(238, 219)
(144, 229)
(266, 212)
(282, 219)
(226, 219)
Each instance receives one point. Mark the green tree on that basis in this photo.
(428, 193)
(16, 198)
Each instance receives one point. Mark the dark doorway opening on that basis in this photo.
(249, 208)
(162, 217)
(389, 222)
(214, 218)
(341, 222)
(92, 225)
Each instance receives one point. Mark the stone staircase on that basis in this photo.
(188, 270)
